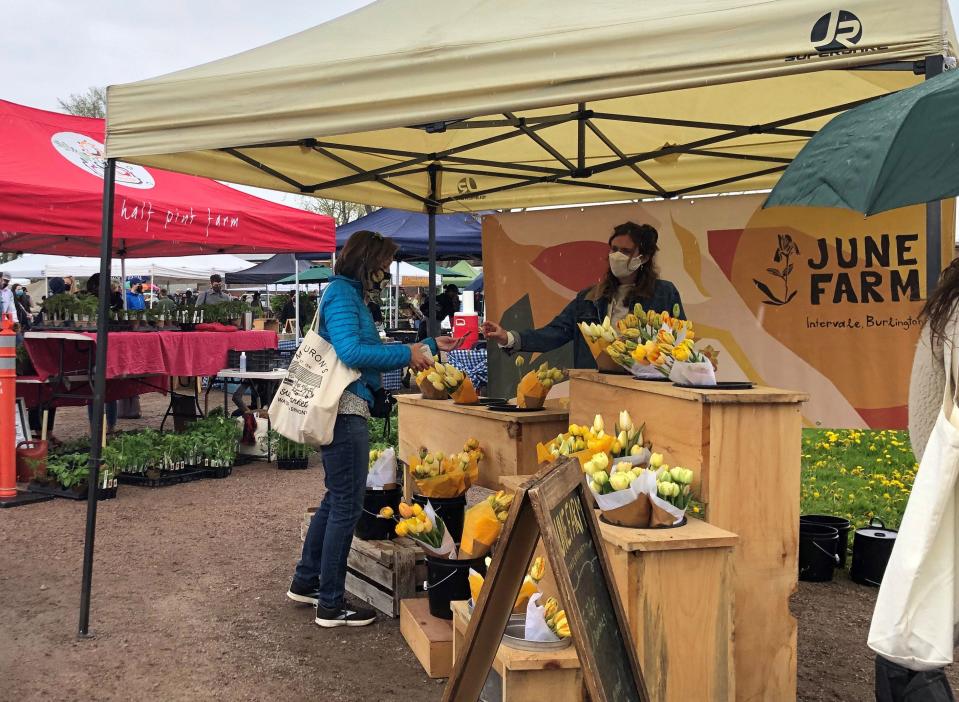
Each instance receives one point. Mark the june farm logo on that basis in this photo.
(468, 185)
(844, 269)
(89, 155)
(836, 33)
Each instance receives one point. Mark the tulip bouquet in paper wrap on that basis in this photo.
(425, 528)
(382, 472)
(438, 475)
(598, 338)
(530, 586)
(586, 442)
(483, 524)
(633, 496)
(532, 389)
(545, 622)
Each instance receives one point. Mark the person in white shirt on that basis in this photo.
(6, 296)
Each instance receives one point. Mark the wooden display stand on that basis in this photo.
(430, 638)
(509, 440)
(745, 446)
(525, 676)
(385, 573)
(677, 588)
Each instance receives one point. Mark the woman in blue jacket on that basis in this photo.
(631, 277)
(345, 322)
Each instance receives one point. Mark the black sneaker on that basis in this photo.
(306, 595)
(353, 615)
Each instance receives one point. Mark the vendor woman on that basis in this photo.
(631, 277)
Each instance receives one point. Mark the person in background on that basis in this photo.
(376, 311)
(69, 284)
(631, 277)
(21, 302)
(135, 299)
(6, 296)
(289, 310)
(188, 299)
(164, 304)
(447, 304)
(215, 294)
(345, 322)
(257, 305)
(116, 296)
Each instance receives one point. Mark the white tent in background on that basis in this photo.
(182, 268)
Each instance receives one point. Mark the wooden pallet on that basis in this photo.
(382, 573)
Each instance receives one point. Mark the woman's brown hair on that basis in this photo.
(942, 302)
(363, 254)
(645, 239)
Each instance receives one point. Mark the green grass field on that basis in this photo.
(857, 474)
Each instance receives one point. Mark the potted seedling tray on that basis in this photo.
(77, 492)
(162, 478)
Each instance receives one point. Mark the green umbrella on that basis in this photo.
(440, 270)
(316, 274)
(901, 149)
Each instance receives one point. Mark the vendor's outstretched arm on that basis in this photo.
(560, 331)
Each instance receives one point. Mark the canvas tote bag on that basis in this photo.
(914, 622)
(304, 408)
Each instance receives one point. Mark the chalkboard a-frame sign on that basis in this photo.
(555, 505)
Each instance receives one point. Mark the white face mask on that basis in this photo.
(623, 266)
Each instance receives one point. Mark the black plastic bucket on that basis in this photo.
(817, 552)
(871, 548)
(448, 581)
(840, 524)
(372, 527)
(450, 509)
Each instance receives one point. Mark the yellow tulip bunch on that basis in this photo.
(500, 502)
(375, 455)
(673, 485)
(556, 618)
(431, 464)
(417, 525)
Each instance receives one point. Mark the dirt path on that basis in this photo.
(189, 603)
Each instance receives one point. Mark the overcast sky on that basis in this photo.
(51, 48)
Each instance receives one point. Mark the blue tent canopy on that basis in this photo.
(477, 284)
(457, 235)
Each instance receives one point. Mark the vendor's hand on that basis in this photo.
(446, 343)
(493, 331)
(420, 356)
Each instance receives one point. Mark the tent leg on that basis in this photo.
(433, 326)
(934, 66)
(123, 279)
(152, 291)
(296, 279)
(99, 395)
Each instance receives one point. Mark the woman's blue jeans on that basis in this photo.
(327, 546)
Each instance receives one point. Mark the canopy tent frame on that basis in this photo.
(198, 143)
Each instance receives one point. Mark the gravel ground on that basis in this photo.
(189, 603)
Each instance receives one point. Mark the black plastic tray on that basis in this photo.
(721, 385)
(102, 493)
(173, 477)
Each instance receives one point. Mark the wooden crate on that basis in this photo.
(431, 639)
(677, 589)
(509, 440)
(745, 446)
(525, 676)
(382, 573)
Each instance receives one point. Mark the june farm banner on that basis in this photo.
(824, 301)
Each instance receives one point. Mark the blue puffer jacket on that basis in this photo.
(346, 323)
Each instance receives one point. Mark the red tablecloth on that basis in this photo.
(148, 353)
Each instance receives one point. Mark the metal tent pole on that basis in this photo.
(296, 297)
(433, 326)
(934, 66)
(99, 395)
(123, 279)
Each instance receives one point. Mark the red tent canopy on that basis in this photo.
(51, 200)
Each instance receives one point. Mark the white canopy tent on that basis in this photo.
(183, 268)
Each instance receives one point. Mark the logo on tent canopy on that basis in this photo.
(835, 31)
(88, 154)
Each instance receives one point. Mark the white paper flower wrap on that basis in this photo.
(383, 471)
(536, 627)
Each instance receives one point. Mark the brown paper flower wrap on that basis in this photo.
(430, 392)
(531, 392)
(465, 394)
(449, 483)
(639, 506)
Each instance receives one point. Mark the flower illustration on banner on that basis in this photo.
(786, 249)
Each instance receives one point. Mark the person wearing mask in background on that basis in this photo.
(21, 301)
(631, 277)
(135, 299)
(69, 284)
(257, 305)
(345, 322)
(447, 304)
(164, 305)
(188, 298)
(214, 295)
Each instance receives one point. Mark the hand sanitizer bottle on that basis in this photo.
(243, 361)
